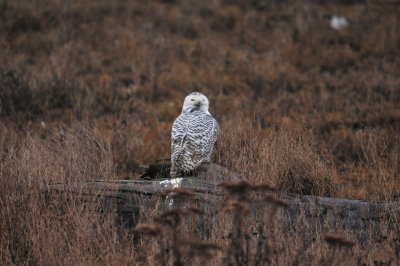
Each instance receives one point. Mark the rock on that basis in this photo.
(210, 172)
(132, 195)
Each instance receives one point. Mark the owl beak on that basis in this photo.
(198, 104)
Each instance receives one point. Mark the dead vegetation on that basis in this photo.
(90, 88)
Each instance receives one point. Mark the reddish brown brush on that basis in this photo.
(89, 90)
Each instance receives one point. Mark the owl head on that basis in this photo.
(196, 100)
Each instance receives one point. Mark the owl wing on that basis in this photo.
(202, 136)
(179, 131)
(211, 136)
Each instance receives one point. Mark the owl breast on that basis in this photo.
(194, 133)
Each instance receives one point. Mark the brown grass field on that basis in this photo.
(88, 88)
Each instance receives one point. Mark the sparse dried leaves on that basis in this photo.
(338, 241)
(201, 247)
(237, 207)
(241, 187)
(277, 202)
(180, 193)
(147, 229)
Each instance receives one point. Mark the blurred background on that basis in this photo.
(307, 93)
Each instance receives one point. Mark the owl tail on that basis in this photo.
(179, 160)
(173, 173)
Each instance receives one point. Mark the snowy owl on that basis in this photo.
(194, 133)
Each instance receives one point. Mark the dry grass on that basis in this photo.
(89, 88)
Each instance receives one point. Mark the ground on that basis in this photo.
(90, 88)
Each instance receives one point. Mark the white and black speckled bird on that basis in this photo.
(194, 133)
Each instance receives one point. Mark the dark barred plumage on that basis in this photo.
(194, 133)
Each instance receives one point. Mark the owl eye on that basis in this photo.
(192, 100)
